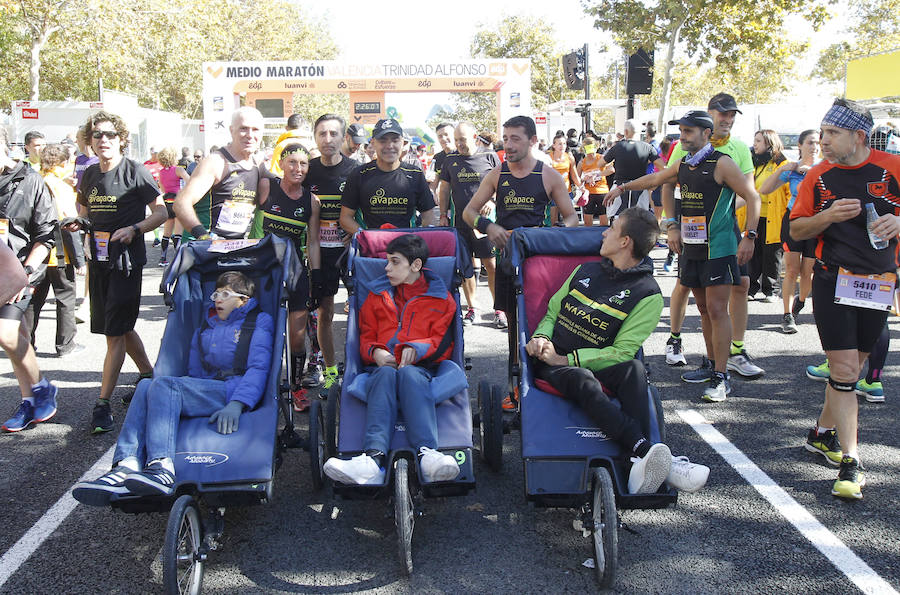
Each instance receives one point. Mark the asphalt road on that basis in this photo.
(726, 538)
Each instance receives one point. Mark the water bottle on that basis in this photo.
(871, 218)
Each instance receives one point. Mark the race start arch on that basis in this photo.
(271, 86)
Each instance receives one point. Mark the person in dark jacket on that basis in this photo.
(146, 446)
(405, 327)
(28, 225)
(595, 324)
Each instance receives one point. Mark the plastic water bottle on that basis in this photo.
(871, 218)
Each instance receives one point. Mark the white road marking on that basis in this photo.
(19, 553)
(842, 557)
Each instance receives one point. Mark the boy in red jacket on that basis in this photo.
(405, 330)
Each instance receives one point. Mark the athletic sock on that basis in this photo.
(820, 430)
(143, 375)
(166, 464)
(676, 336)
(176, 240)
(164, 246)
(737, 347)
(29, 399)
(873, 375)
(129, 463)
(641, 448)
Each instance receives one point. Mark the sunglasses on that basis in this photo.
(224, 294)
(198, 156)
(110, 134)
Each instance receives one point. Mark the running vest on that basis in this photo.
(287, 218)
(522, 202)
(327, 182)
(233, 199)
(708, 223)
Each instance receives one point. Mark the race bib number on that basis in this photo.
(693, 230)
(4, 230)
(224, 246)
(101, 246)
(330, 234)
(875, 292)
(235, 217)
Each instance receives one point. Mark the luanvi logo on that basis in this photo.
(208, 459)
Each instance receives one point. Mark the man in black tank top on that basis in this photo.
(705, 234)
(291, 211)
(230, 176)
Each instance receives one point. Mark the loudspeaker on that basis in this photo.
(573, 78)
(639, 75)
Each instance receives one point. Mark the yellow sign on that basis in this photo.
(874, 77)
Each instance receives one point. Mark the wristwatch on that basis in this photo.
(136, 230)
(751, 233)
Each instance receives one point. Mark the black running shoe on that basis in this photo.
(101, 418)
(99, 491)
(154, 480)
(126, 398)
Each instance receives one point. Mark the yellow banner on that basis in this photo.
(874, 77)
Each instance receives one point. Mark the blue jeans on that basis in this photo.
(151, 425)
(407, 389)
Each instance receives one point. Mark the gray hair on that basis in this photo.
(631, 125)
(246, 111)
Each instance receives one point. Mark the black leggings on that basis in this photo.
(878, 355)
(628, 380)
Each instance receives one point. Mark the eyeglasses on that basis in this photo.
(224, 294)
(198, 156)
(110, 134)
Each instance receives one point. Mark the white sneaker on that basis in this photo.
(437, 466)
(686, 476)
(360, 470)
(649, 472)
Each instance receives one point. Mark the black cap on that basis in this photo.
(694, 118)
(723, 102)
(357, 133)
(387, 126)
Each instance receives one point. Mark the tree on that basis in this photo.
(874, 27)
(713, 32)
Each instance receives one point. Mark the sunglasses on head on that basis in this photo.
(224, 294)
(110, 134)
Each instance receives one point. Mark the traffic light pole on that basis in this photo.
(587, 90)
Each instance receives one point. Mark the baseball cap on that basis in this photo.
(694, 118)
(357, 133)
(387, 126)
(723, 102)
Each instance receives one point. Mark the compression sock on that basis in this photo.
(164, 246)
(176, 240)
(297, 362)
(641, 448)
(878, 355)
(144, 375)
(737, 347)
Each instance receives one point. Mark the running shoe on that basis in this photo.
(686, 476)
(44, 402)
(674, 354)
(99, 491)
(101, 418)
(469, 318)
(360, 470)
(300, 397)
(650, 471)
(500, 319)
(21, 419)
(719, 388)
(669, 264)
(436, 466)
(850, 479)
(156, 242)
(154, 480)
(313, 376)
(788, 326)
(797, 306)
(126, 398)
(826, 444)
(874, 392)
(163, 263)
(701, 374)
(742, 364)
(820, 373)
(768, 298)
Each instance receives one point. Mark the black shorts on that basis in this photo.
(334, 267)
(298, 296)
(16, 310)
(841, 326)
(656, 197)
(169, 199)
(115, 300)
(805, 247)
(477, 247)
(594, 205)
(706, 273)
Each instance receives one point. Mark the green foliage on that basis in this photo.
(874, 27)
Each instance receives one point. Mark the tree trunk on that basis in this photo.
(667, 77)
(37, 45)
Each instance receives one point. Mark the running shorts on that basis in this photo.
(841, 326)
(595, 205)
(115, 300)
(706, 273)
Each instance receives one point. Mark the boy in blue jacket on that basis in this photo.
(143, 462)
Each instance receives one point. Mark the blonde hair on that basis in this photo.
(167, 157)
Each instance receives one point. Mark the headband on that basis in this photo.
(844, 117)
(293, 148)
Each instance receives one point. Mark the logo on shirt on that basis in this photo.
(237, 335)
(619, 298)
(877, 189)
(276, 208)
(585, 282)
(314, 188)
(505, 183)
(298, 212)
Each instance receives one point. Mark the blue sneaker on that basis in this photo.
(44, 402)
(820, 373)
(23, 417)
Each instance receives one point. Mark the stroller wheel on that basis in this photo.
(404, 515)
(604, 528)
(184, 552)
(490, 424)
(316, 443)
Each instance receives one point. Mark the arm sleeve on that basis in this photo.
(250, 387)
(440, 321)
(424, 198)
(350, 197)
(545, 326)
(637, 327)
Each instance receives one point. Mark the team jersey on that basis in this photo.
(522, 202)
(562, 165)
(387, 197)
(233, 199)
(287, 217)
(464, 174)
(708, 223)
(327, 182)
(846, 243)
(438, 162)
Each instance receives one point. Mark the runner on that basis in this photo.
(564, 162)
(27, 225)
(326, 179)
(34, 142)
(114, 196)
(594, 178)
(386, 191)
(705, 236)
(445, 133)
(171, 176)
(631, 158)
(292, 212)
(230, 176)
(850, 203)
(461, 175)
